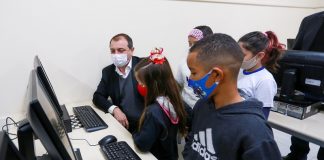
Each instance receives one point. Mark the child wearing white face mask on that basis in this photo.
(187, 93)
(261, 53)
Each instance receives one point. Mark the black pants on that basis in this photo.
(300, 148)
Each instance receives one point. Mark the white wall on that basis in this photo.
(71, 37)
(320, 9)
(311, 4)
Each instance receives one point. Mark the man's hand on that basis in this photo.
(121, 117)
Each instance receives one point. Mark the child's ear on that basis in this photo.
(217, 74)
(261, 55)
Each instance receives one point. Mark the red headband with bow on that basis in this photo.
(156, 56)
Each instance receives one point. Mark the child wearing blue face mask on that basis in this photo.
(183, 73)
(261, 53)
(224, 125)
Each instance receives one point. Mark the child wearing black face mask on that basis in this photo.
(164, 113)
(224, 126)
(261, 53)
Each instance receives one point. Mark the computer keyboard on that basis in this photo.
(119, 151)
(89, 118)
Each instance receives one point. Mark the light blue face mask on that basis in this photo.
(199, 86)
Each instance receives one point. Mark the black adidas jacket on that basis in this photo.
(234, 132)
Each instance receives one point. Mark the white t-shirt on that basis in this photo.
(187, 92)
(259, 84)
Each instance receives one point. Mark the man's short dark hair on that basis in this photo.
(123, 35)
(219, 50)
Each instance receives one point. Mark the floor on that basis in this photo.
(283, 141)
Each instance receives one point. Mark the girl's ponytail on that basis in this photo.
(273, 52)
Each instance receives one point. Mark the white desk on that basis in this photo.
(114, 128)
(91, 152)
(310, 129)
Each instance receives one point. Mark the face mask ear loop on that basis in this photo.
(210, 72)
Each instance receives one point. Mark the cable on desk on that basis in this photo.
(7, 127)
(80, 139)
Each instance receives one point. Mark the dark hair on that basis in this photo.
(159, 81)
(123, 35)
(219, 50)
(268, 42)
(206, 30)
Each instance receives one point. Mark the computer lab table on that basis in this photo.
(91, 152)
(114, 128)
(310, 129)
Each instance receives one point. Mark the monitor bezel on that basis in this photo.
(40, 70)
(42, 126)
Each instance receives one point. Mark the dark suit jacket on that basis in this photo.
(308, 30)
(109, 87)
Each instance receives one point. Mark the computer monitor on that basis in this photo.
(301, 77)
(46, 123)
(8, 150)
(47, 84)
(61, 109)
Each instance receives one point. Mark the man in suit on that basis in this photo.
(310, 37)
(119, 84)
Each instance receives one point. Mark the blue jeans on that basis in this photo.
(266, 111)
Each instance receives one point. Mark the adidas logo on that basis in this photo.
(204, 145)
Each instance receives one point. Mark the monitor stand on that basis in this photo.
(66, 119)
(77, 154)
(43, 157)
(26, 140)
(25, 137)
(288, 84)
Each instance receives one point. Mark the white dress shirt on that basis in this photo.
(127, 71)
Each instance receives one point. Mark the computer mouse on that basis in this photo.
(107, 139)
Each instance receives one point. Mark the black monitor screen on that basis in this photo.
(8, 150)
(47, 84)
(46, 123)
(303, 73)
